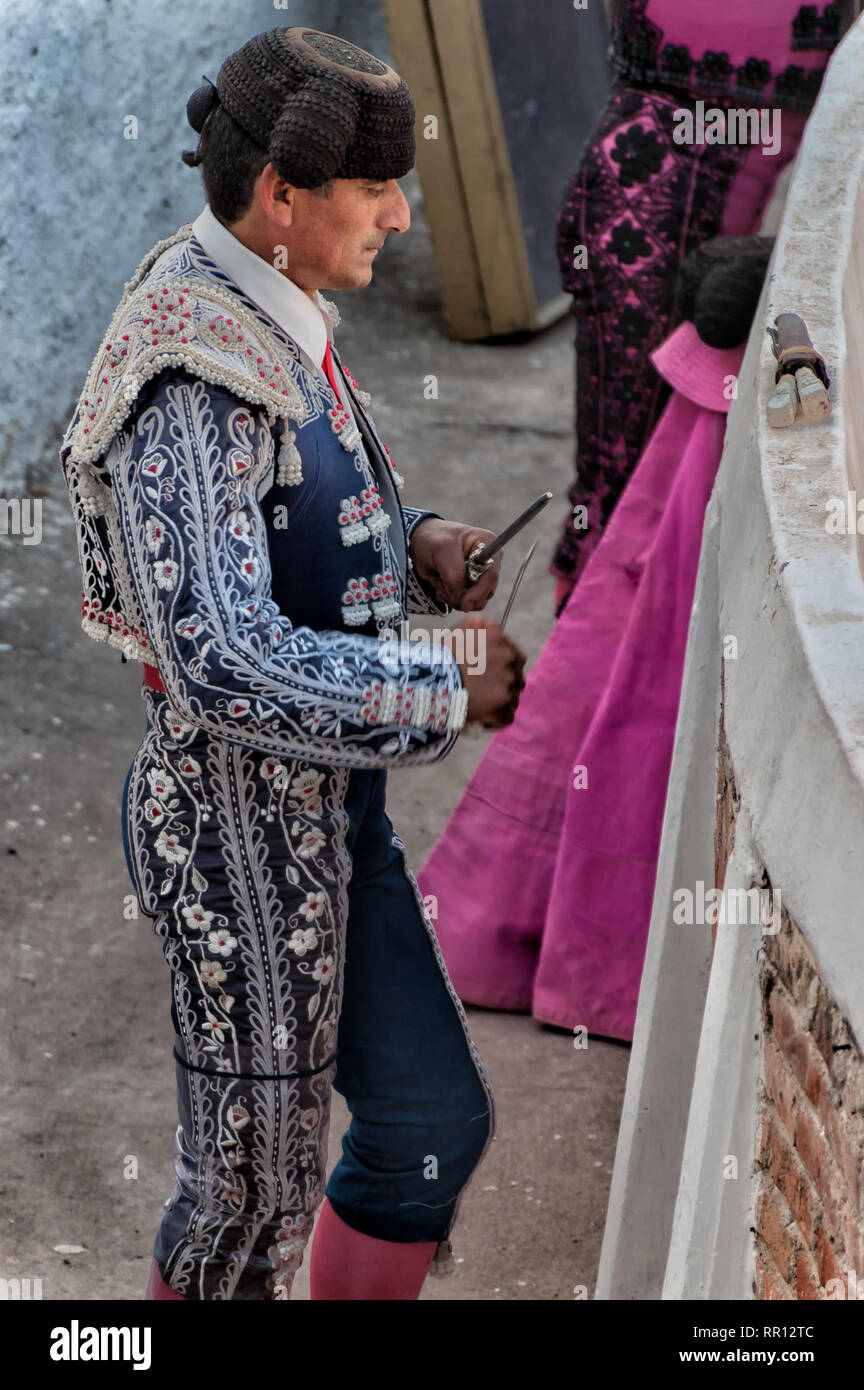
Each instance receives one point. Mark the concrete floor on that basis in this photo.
(88, 1098)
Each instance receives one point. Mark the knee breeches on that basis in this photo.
(302, 958)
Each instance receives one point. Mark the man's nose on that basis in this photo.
(397, 214)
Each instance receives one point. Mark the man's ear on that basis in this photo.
(277, 196)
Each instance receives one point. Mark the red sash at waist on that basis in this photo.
(152, 678)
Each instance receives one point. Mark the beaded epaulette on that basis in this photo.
(171, 316)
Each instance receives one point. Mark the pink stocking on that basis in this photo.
(158, 1289)
(345, 1264)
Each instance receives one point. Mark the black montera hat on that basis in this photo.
(318, 105)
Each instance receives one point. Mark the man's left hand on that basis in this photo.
(439, 550)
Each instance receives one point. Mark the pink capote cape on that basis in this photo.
(544, 875)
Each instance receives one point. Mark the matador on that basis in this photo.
(241, 534)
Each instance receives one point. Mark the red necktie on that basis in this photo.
(327, 364)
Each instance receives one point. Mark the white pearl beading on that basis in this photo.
(91, 432)
(420, 707)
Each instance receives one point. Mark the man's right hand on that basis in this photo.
(494, 686)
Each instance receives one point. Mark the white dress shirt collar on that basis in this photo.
(303, 319)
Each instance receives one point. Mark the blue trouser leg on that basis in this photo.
(420, 1116)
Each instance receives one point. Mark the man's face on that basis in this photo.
(333, 242)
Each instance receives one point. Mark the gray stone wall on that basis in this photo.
(80, 203)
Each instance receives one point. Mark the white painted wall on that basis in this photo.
(80, 204)
(794, 715)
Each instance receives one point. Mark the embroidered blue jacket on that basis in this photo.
(236, 531)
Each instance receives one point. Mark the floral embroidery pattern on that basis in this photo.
(639, 154)
(212, 945)
(223, 331)
(169, 317)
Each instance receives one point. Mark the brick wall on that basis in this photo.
(809, 1110)
(810, 1160)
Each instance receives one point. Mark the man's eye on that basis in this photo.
(376, 192)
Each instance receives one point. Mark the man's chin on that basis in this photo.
(357, 280)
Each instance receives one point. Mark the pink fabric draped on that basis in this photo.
(544, 889)
(544, 886)
(599, 908)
